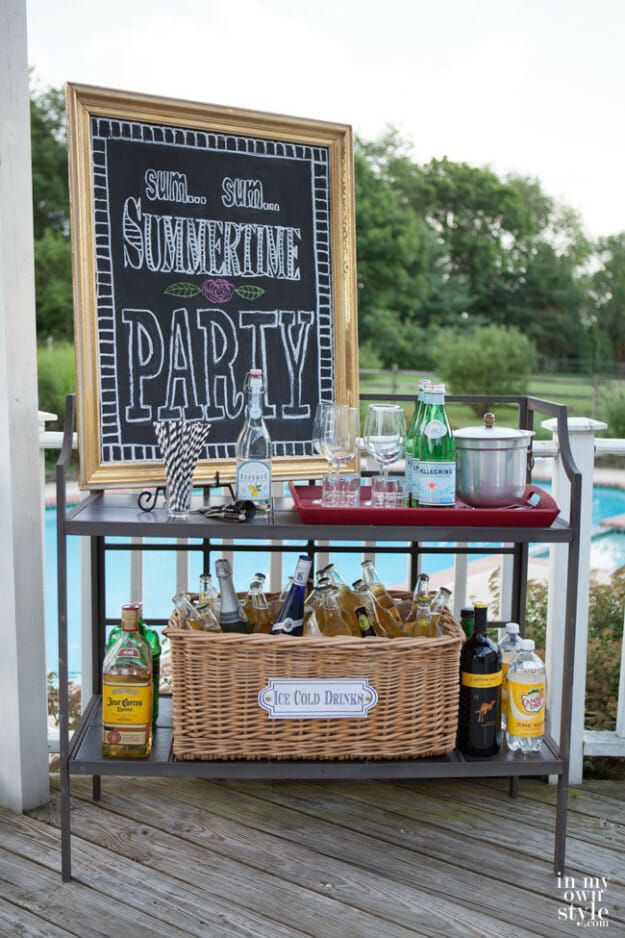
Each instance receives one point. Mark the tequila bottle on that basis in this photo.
(253, 448)
(437, 453)
(152, 638)
(231, 616)
(127, 692)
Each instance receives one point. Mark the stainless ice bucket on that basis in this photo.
(491, 464)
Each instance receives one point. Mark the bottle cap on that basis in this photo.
(527, 644)
(465, 613)
(512, 628)
(130, 616)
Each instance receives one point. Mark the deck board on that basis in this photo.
(286, 859)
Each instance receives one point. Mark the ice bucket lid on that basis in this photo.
(489, 436)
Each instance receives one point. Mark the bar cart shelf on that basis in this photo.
(108, 514)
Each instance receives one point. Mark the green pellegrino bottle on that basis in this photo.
(411, 441)
(437, 453)
(151, 637)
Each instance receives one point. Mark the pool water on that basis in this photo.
(159, 571)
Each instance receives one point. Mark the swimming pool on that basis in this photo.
(608, 552)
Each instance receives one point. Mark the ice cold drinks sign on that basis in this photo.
(213, 254)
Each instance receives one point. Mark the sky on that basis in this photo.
(531, 87)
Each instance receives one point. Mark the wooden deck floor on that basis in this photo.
(167, 858)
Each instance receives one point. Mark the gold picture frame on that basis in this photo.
(90, 107)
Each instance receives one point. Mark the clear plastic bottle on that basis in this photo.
(509, 646)
(526, 700)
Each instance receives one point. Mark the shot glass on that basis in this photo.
(386, 492)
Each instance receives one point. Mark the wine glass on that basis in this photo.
(339, 434)
(317, 431)
(385, 432)
(338, 441)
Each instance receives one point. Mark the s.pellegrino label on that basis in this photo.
(437, 483)
(254, 480)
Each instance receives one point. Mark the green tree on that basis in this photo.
(608, 289)
(53, 273)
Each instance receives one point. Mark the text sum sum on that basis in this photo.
(211, 392)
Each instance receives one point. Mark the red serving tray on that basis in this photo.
(307, 501)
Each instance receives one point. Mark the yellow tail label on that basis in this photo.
(481, 680)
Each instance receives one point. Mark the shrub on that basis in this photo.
(612, 408)
(368, 356)
(57, 377)
(492, 360)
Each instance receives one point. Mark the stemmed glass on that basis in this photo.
(384, 436)
(338, 429)
(320, 417)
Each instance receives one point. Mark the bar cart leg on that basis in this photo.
(514, 787)
(98, 618)
(560, 838)
(96, 787)
(66, 830)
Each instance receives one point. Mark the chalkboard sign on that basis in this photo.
(206, 241)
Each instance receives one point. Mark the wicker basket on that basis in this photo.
(217, 679)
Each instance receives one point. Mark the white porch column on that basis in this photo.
(24, 743)
(582, 435)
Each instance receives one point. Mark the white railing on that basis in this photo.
(584, 445)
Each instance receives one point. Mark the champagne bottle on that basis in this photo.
(253, 448)
(479, 717)
(127, 692)
(231, 616)
(290, 619)
(437, 453)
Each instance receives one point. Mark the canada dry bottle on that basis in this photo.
(437, 453)
(479, 716)
(253, 447)
(127, 692)
(232, 618)
(290, 619)
(526, 700)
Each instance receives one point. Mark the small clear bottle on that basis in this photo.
(261, 617)
(526, 700)
(439, 604)
(208, 593)
(253, 447)
(509, 646)
(420, 595)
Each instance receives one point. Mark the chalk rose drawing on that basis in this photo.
(218, 291)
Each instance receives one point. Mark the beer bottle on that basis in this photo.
(479, 716)
(372, 578)
(333, 622)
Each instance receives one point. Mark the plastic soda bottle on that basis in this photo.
(526, 700)
(509, 646)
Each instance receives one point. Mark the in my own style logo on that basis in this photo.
(584, 901)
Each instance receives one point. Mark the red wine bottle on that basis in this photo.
(479, 716)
